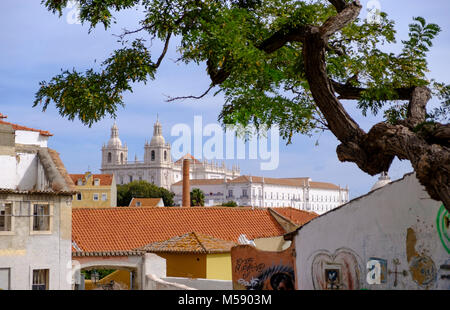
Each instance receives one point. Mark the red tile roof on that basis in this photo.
(193, 182)
(114, 229)
(145, 202)
(190, 243)
(105, 179)
(298, 217)
(187, 156)
(323, 185)
(20, 127)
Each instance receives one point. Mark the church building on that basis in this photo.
(157, 166)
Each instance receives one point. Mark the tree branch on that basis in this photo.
(342, 19)
(417, 105)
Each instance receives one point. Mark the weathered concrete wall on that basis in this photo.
(23, 250)
(396, 237)
(254, 269)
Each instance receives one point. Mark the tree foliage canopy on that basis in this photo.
(197, 197)
(283, 62)
(142, 189)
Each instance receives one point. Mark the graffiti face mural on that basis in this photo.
(338, 271)
(422, 268)
(260, 270)
(443, 227)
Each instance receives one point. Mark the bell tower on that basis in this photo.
(157, 156)
(114, 153)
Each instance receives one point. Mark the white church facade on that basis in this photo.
(261, 192)
(157, 166)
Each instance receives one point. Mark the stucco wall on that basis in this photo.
(395, 228)
(22, 251)
(218, 266)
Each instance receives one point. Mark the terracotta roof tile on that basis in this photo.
(276, 181)
(61, 168)
(20, 127)
(298, 217)
(187, 156)
(124, 229)
(323, 185)
(190, 243)
(194, 182)
(105, 179)
(145, 202)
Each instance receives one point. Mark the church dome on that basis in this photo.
(382, 181)
(114, 141)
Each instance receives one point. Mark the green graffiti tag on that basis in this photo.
(443, 224)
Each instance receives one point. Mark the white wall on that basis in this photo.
(31, 137)
(395, 224)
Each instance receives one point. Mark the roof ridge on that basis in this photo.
(199, 242)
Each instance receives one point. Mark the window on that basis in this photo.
(41, 217)
(244, 193)
(165, 155)
(138, 204)
(96, 182)
(121, 158)
(109, 157)
(131, 178)
(80, 182)
(79, 197)
(153, 155)
(5, 216)
(230, 193)
(104, 197)
(40, 279)
(95, 197)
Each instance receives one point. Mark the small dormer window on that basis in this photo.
(138, 204)
(96, 182)
(80, 182)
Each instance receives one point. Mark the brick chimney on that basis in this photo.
(186, 199)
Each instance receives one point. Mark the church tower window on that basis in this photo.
(109, 157)
(165, 155)
(153, 155)
(121, 158)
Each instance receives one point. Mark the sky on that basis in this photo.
(35, 45)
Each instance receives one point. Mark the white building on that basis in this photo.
(393, 238)
(157, 166)
(299, 193)
(35, 212)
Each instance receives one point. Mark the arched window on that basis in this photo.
(121, 158)
(109, 157)
(165, 155)
(153, 155)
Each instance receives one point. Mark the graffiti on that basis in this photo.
(248, 266)
(273, 278)
(396, 263)
(422, 268)
(376, 271)
(254, 269)
(338, 271)
(443, 227)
